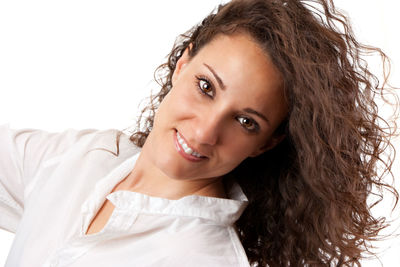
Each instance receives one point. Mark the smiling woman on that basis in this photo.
(261, 148)
(214, 120)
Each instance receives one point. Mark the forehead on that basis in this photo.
(246, 70)
(242, 60)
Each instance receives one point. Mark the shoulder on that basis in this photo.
(85, 140)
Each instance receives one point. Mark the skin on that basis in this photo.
(213, 126)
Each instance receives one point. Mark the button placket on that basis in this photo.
(121, 220)
(125, 211)
(118, 225)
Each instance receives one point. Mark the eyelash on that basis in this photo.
(202, 78)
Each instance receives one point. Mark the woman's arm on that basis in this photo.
(23, 153)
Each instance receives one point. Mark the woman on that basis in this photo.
(264, 105)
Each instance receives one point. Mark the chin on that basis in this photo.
(170, 168)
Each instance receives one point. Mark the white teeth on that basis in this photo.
(196, 154)
(185, 147)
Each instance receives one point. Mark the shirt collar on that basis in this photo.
(218, 210)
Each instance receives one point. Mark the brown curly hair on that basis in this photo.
(309, 196)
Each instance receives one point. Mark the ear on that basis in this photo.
(181, 64)
(272, 142)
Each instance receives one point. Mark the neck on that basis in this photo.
(145, 178)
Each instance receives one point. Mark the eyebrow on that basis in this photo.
(222, 86)
(219, 80)
(252, 111)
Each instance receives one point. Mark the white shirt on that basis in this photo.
(53, 184)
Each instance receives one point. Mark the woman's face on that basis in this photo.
(225, 103)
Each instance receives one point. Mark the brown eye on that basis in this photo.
(205, 86)
(248, 124)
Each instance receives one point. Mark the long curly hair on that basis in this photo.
(309, 197)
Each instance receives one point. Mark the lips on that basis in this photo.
(181, 149)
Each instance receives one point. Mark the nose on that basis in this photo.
(207, 130)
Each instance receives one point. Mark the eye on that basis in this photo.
(249, 124)
(204, 86)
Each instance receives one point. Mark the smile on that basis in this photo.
(185, 150)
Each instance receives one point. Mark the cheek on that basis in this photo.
(183, 99)
(230, 158)
(238, 146)
(173, 103)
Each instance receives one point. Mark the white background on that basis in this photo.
(88, 64)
